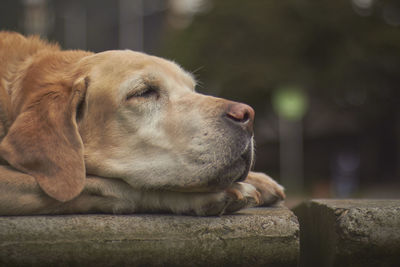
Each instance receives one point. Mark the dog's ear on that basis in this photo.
(44, 141)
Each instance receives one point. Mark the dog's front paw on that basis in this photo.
(257, 189)
(238, 196)
(241, 195)
(271, 192)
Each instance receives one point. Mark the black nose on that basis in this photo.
(242, 115)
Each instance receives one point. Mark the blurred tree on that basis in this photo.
(346, 54)
(250, 47)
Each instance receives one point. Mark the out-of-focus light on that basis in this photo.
(356, 98)
(184, 10)
(290, 102)
(363, 7)
(391, 15)
(188, 6)
(363, 3)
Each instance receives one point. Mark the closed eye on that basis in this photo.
(145, 93)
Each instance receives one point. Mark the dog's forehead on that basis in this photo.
(123, 65)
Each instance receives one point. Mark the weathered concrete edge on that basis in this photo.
(259, 237)
(317, 235)
(363, 232)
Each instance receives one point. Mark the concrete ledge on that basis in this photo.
(349, 232)
(254, 237)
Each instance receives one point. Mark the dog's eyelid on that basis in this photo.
(147, 92)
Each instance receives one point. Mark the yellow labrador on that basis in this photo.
(118, 132)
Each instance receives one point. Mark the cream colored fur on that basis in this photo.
(148, 141)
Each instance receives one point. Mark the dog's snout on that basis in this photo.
(241, 114)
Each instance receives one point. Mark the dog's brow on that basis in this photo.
(129, 85)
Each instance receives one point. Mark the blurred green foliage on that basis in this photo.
(344, 59)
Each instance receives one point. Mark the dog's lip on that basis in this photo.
(246, 157)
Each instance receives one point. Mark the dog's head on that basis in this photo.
(123, 114)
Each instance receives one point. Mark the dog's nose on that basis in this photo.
(242, 115)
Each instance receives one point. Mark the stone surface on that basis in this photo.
(253, 237)
(349, 232)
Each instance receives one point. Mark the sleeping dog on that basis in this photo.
(119, 132)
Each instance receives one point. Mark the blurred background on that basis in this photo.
(323, 76)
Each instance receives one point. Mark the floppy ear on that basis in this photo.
(44, 141)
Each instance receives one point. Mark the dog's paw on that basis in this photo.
(271, 192)
(257, 189)
(238, 196)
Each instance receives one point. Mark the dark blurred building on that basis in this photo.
(94, 25)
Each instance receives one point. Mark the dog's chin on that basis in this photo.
(214, 177)
(235, 172)
(220, 179)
